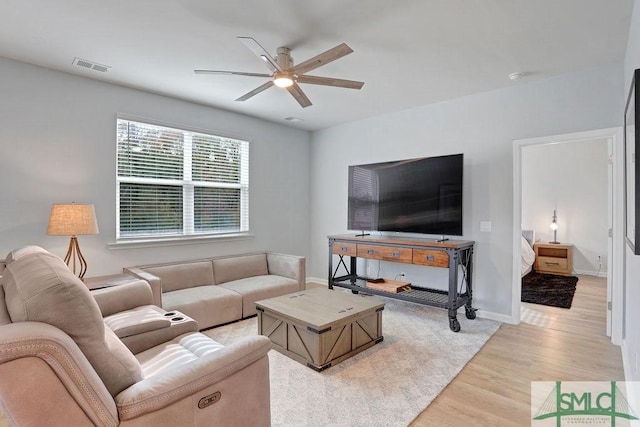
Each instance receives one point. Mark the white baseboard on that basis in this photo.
(317, 280)
(591, 273)
(504, 318)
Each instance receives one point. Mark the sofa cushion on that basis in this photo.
(177, 352)
(258, 288)
(40, 287)
(208, 305)
(184, 275)
(239, 267)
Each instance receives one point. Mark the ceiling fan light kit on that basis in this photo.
(285, 75)
(283, 80)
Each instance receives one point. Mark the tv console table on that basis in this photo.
(452, 254)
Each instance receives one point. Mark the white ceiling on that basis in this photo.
(408, 53)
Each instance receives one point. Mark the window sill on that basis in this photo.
(175, 241)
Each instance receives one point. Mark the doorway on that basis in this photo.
(587, 262)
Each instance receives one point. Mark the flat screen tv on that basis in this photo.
(421, 195)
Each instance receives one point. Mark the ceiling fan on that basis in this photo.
(284, 74)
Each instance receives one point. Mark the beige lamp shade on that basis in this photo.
(72, 220)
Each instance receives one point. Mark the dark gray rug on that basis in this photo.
(548, 289)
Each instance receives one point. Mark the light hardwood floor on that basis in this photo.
(587, 315)
(550, 344)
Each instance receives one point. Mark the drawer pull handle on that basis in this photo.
(396, 254)
(430, 258)
(344, 249)
(370, 251)
(552, 263)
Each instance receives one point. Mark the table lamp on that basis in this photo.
(554, 227)
(73, 220)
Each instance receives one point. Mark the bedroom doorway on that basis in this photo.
(529, 214)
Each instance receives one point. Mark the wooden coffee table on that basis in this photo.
(320, 327)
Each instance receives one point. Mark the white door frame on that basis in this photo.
(615, 272)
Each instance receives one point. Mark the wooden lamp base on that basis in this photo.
(74, 256)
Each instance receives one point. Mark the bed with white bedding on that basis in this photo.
(526, 251)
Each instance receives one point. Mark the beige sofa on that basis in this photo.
(61, 364)
(223, 289)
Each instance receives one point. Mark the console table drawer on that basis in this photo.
(340, 248)
(385, 253)
(431, 258)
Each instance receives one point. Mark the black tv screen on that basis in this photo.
(421, 195)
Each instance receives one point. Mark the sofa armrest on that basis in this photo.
(116, 299)
(291, 266)
(173, 385)
(70, 382)
(147, 326)
(154, 281)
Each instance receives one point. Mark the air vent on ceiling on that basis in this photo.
(90, 65)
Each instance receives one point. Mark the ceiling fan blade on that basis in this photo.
(231, 73)
(256, 91)
(299, 95)
(328, 81)
(322, 59)
(260, 52)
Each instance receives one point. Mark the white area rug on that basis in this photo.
(388, 384)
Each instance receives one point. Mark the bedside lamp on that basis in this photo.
(73, 220)
(554, 227)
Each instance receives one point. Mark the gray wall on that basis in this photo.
(57, 138)
(483, 127)
(571, 178)
(631, 332)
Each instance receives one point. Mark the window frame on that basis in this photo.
(188, 186)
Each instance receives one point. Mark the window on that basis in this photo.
(173, 182)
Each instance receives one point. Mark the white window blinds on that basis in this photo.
(173, 182)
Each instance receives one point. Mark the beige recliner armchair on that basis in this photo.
(60, 364)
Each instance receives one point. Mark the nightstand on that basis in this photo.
(553, 258)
